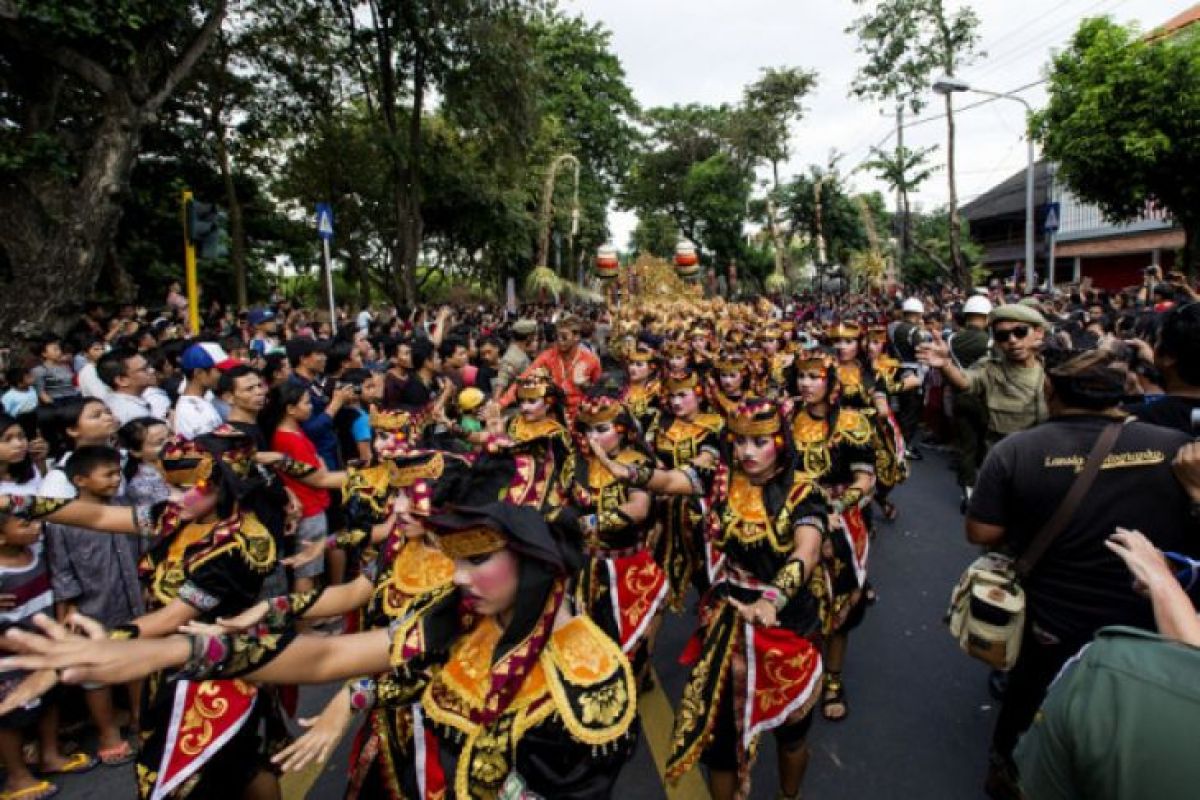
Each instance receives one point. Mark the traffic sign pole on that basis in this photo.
(325, 231)
(329, 287)
(189, 264)
(1050, 226)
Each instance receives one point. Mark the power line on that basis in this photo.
(1039, 42)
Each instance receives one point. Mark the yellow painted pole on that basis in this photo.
(189, 265)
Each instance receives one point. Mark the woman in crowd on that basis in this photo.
(527, 698)
(835, 445)
(620, 586)
(866, 378)
(643, 389)
(759, 662)
(67, 425)
(685, 431)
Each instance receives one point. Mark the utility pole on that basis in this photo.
(189, 264)
(901, 188)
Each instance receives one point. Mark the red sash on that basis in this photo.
(855, 529)
(639, 588)
(783, 671)
(205, 715)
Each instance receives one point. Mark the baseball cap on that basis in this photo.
(912, 306)
(470, 399)
(258, 316)
(205, 355)
(524, 327)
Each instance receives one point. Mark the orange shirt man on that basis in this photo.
(572, 367)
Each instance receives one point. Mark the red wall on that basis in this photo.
(1117, 272)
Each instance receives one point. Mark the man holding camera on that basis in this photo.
(1010, 384)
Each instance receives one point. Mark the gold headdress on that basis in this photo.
(534, 386)
(479, 540)
(596, 410)
(845, 330)
(390, 421)
(682, 380)
(642, 352)
(813, 358)
(756, 418)
(676, 347)
(731, 362)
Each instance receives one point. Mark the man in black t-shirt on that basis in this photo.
(1078, 586)
(1177, 356)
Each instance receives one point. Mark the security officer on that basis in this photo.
(517, 357)
(1010, 383)
(967, 347)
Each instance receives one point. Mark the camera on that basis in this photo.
(919, 336)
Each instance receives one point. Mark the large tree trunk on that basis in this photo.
(960, 274)
(56, 237)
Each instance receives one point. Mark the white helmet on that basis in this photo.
(977, 304)
(912, 306)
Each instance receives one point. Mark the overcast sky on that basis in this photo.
(706, 51)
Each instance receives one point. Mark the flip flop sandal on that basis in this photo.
(122, 753)
(834, 694)
(39, 791)
(75, 764)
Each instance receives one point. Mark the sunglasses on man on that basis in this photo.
(1015, 332)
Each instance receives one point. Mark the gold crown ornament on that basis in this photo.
(731, 363)
(756, 418)
(534, 386)
(479, 540)
(845, 330)
(597, 410)
(682, 380)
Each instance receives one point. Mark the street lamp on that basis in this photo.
(948, 85)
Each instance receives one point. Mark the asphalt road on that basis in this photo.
(920, 716)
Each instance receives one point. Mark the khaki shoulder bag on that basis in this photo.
(987, 607)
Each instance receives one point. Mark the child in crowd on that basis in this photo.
(73, 423)
(54, 380)
(25, 590)
(470, 410)
(96, 574)
(143, 440)
(288, 405)
(87, 378)
(21, 399)
(19, 472)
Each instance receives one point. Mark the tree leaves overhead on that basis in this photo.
(908, 43)
(1123, 123)
(427, 125)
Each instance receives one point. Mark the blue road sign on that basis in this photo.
(325, 220)
(1051, 223)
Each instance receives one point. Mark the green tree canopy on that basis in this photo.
(1122, 124)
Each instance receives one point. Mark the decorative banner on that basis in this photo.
(687, 261)
(608, 266)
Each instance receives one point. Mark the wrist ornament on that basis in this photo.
(361, 694)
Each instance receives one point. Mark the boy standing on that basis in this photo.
(95, 573)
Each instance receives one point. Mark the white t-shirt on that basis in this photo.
(126, 407)
(195, 416)
(31, 486)
(363, 320)
(90, 384)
